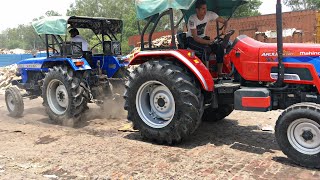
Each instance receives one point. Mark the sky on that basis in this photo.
(15, 12)
(269, 7)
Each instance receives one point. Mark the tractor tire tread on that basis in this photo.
(188, 96)
(296, 111)
(18, 101)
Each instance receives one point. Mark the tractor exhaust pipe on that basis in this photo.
(280, 79)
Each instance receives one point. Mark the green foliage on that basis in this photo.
(297, 5)
(52, 13)
(22, 37)
(249, 9)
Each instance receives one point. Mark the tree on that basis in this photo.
(297, 5)
(52, 13)
(249, 9)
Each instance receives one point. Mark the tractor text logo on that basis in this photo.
(269, 54)
(310, 53)
(273, 54)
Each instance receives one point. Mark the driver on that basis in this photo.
(197, 39)
(75, 37)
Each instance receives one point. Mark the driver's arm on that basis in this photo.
(224, 22)
(197, 38)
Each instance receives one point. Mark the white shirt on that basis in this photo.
(78, 38)
(201, 26)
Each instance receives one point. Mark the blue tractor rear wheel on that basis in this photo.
(64, 95)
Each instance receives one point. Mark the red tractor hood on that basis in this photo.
(258, 61)
(265, 50)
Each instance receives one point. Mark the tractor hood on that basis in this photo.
(265, 50)
(256, 60)
(147, 8)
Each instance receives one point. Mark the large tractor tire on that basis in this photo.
(163, 101)
(298, 134)
(14, 102)
(213, 115)
(63, 96)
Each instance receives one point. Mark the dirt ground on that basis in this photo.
(235, 148)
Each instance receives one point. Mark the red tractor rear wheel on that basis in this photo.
(163, 101)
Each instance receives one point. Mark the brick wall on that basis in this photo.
(306, 21)
(318, 27)
(135, 40)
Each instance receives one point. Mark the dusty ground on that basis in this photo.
(235, 148)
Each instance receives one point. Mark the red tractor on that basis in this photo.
(172, 91)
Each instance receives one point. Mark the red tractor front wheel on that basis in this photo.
(298, 134)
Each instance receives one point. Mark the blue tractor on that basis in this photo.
(68, 78)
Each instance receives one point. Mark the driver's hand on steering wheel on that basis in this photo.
(211, 42)
(224, 32)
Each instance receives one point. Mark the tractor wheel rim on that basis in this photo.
(62, 96)
(10, 102)
(57, 97)
(155, 104)
(304, 136)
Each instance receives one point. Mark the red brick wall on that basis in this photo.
(300, 20)
(135, 40)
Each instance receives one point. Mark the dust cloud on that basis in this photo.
(112, 108)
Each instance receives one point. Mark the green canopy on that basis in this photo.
(221, 7)
(51, 25)
(57, 25)
(147, 8)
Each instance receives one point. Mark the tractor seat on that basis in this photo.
(182, 40)
(183, 43)
(88, 56)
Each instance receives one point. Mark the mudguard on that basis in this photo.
(187, 57)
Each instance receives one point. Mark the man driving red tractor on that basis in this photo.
(197, 39)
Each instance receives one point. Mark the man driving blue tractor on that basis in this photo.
(75, 37)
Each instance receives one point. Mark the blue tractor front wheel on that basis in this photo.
(14, 102)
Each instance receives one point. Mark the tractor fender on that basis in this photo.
(84, 65)
(186, 57)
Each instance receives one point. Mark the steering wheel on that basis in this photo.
(223, 41)
(54, 50)
(78, 48)
(95, 45)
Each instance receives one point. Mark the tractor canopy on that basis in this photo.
(58, 25)
(148, 8)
